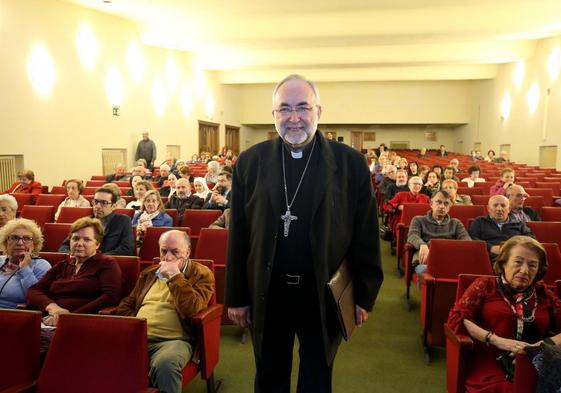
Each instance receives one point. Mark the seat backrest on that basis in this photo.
(71, 214)
(465, 212)
(213, 244)
(58, 190)
(449, 258)
(95, 183)
(546, 232)
(130, 270)
(54, 235)
(23, 199)
(98, 177)
(469, 191)
(50, 199)
(480, 199)
(464, 281)
(20, 338)
(549, 213)
(536, 202)
(174, 216)
(546, 193)
(554, 263)
(89, 190)
(104, 353)
(411, 210)
(39, 214)
(199, 218)
(53, 257)
(126, 212)
(150, 247)
(554, 186)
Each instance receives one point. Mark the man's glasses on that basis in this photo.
(301, 110)
(100, 202)
(16, 238)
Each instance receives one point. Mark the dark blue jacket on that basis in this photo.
(484, 228)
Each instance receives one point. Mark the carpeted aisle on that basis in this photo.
(383, 356)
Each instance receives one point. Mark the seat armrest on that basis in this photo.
(27, 387)
(427, 279)
(207, 315)
(458, 348)
(22, 306)
(457, 340)
(108, 311)
(207, 333)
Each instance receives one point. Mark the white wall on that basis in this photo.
(523, 130)
(61, 135)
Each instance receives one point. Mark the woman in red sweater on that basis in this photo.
(26, 184)
(86, 282)
(395, 205)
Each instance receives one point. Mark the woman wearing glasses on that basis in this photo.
(20, 268)
(86, 282)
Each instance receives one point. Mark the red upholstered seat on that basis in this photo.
(554, 186)
(80, 359)
(447, 259)
(465, 212)
(409, 211)
(50, 199)
(546, 193)
(130, 270)
(53, 257)
(554, 263)
(480, 199)
(58, 190)
(39, 214)
(199, 218)
(98, 177)
(95, 183)
(174, 216)
(54, 234)
(126, 212)
(71, 214)
(546, 232)
(23, 199)
(551, 213)
(459, 346)
(20, 341)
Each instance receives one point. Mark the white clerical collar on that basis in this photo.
(296, 154)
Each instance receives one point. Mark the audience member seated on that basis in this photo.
(119, 175)
(222, 222)
(490, 156)
(213, 172)
(400, 185)
(506, 180)
(402, 163)
(516, 196)
(385, 177)
(473, 172)
(505, 314)
(219, 198)
(436, 224)
(140, 190)
(121, 203)
(454, 163)
(422, 153)
(394, 206)
(26, 184)
(450, 173)
(503, 157)
(201, 188)
(132, 184)
(151, 214)
(442, 151)
(140, 170)
(436, 168)
(498, 226)
(74, 188)
(413, 169)
(8, 209)
(451, 187)
(166, 295)
(85, 282)
(185, 173)
(165, 170)
(20, 266)
(169, 187)
(183, 198)
(117, 238)
(432, 184)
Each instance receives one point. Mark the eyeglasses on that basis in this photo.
(100, 202)
(16, 238)
(301, 110)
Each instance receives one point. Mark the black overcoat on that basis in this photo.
(344, 224)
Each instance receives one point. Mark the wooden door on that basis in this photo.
(208, 137)
(356, 140)
(233, 139)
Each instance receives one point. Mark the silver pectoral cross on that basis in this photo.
(287, 218)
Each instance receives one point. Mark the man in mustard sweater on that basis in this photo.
(166, 295)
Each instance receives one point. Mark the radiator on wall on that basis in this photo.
(111, 158)
(8, 172)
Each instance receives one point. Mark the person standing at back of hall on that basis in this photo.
(146, 149)
(300, 204)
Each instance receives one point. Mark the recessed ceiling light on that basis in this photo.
(107, 1)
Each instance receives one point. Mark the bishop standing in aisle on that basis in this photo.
(300, 205)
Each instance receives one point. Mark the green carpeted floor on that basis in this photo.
(383, 356)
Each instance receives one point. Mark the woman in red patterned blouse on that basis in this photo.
(507, 313)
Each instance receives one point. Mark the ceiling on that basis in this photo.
(261, 41)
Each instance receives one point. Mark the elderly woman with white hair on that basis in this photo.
(213, 171)
(8, 208)
(20, 267)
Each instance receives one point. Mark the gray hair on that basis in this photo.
(214, 165)
(12, 202)
(165, 166)
(300, 78)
